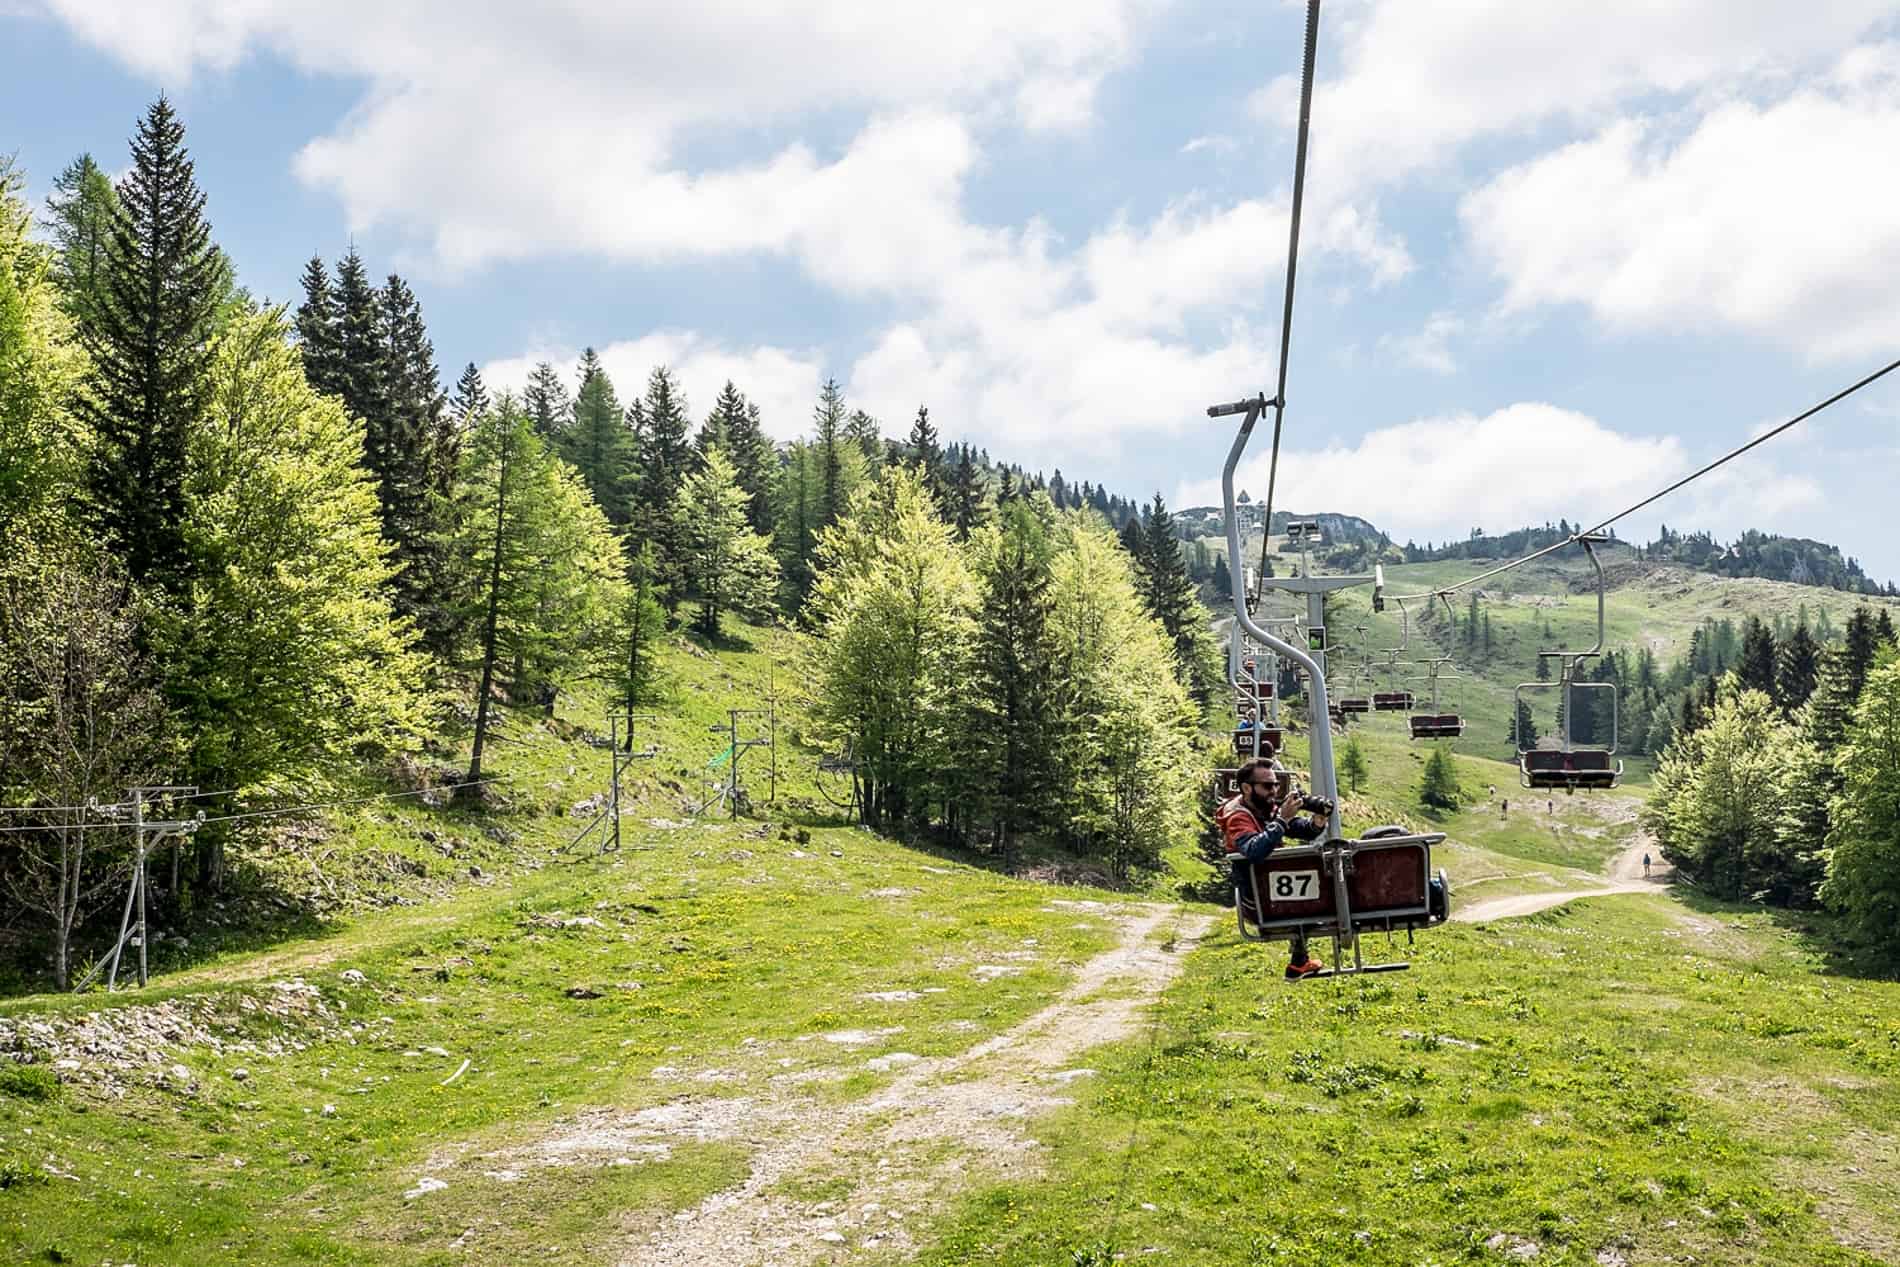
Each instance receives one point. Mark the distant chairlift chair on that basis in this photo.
(1560, 762)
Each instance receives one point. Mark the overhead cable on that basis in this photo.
(1292, 268)
(1690, 478)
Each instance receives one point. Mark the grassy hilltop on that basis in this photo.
(783, 1037)
(1657, 606)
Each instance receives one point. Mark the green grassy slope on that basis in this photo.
(1618, 1081)
(1655, 606)
(1626, 1076)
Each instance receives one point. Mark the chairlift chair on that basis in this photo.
(1335, 888)
(1342, 889)
(1436, 724)
(1562, 762)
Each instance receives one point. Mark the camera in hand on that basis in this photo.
(1317, 806)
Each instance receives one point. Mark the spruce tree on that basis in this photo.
(80, 214)
(928, 454)
(471, 394)
(1010, 734)
(1162, 578)
(1797, 668)
(545, 399)
(1858, 650)
(1438, 786)
(149, 338)
(1883, 628)
(666, 452)
(412, 427)
(1756, 665)
(318, 320)
(754, 463)
(862, 428)
(966, 496)
(361, 370)
(829, 423)
(598, 443)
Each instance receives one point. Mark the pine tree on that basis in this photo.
(598, 443)
(1223, 579)
(724, 564)
(149, 337)
(862, 428)
(828, 429)
(1009, 735)
(928, 454)
(361, 370)
(1756, 666)
(665, 457)
(966, 496)
(754, 463)
(1858, 650)
(1353, 770)
(318, 333)
(1797, 668)
(1133, 540)
(414, 408)
(1883, 628)
(1170, 596)
(795, 513)
(471, 395)
(80, 213)
(1438, 785)
(549, 410)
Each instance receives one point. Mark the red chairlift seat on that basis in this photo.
(1355, 704)
(1554, 768)
(1436, 725)
(1389, 887)
(1392, 701)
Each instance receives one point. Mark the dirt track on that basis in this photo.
(1625, 876)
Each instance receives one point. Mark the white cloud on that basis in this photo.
(1774, 221)
(1428, 347)
(499, 130)
(1419, 81)
(1212, 144)
(781, 383)
(1437, 478)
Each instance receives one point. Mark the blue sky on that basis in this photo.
(1554, 256)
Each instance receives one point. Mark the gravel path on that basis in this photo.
(1625, 876)
(905, 1150)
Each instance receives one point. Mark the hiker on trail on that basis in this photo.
(1550, 807)
(1504, 809)
(1255, 822)
(1645, 864)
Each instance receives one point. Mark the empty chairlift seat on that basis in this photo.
(1392, 701)
(1437, 725)
(1554, 768)
(1355, 704)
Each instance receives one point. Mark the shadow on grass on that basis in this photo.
(1818, 933)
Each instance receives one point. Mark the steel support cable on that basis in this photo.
(272, 813)
(1292, 267)
(1690, 478)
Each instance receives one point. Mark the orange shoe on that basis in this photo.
(1301, 971)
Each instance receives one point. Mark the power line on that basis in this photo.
(1730, 456)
